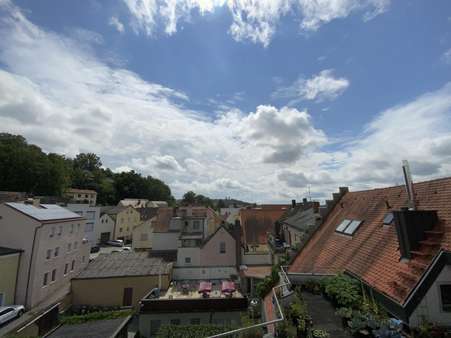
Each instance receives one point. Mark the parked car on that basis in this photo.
(116, 242)
(10, 312)
(127, 248)
(95, 249)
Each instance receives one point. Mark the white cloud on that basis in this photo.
(117, 24)
(321, 87)
(446, 57)
(77, 102)
(254, 20)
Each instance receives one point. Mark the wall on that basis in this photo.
(195, 273)
(92, 215)
(430, 306)
(211, 256)
(106, 224)
(165, 241)
(126, 220)
(72, 248)
(256, 258)
(232, 318)
(9, 266)
(137, 241)
(17, 233)
(193, 253)
(86, 291)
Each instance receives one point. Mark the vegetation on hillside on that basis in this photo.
(25, 167)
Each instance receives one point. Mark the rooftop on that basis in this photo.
(371, 253)
(81, 191)
(190, 290)
(44, 212)
(107, 328)
(125, 264)
(257, 222)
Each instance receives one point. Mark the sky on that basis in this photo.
(260, 100)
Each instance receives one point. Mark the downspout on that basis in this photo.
(31, 262)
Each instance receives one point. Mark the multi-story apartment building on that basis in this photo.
(92, 216)
(53, 248)
(9, 267)
(81, 196)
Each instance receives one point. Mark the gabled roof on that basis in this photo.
(213, 234)
(124, 264)
(302, 219)
(257, 222)
(44, 212)
(372, 253)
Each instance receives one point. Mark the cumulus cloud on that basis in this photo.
(284, 133)
(265, 155)
(321, 87)
(446, 57)
(117, 24)
(254, 20)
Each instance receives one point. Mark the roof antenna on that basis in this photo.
(409, 184)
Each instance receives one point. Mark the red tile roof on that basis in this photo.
(257, 222)
(372, 254)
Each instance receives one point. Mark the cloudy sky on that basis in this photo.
(262, 100)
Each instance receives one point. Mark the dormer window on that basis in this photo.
(388, 218)
(348, 227)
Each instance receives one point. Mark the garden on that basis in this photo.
(360, 314)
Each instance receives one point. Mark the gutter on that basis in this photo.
(264, 324)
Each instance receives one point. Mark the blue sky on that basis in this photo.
(257, 100)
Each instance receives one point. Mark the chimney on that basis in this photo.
(304, 201)
(409, 184)
(293, 204)
(410, 228)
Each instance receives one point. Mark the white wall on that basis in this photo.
(256, 258)
(137, 236)
(106, 224)
(430, 306)
(221, 272)
(92, 215)
(193, 253)
(165, 240)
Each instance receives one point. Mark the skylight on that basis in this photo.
(388, 219)
(348, 227)
(342, 226)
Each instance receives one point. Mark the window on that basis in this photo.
(72, 266)
(144, 237)
(57, 251)
(196, 225)
(66, 268)
(445, 294)
(46, 279)
(52, 232)
(195, 321)
(222, 247)
(120, 229)
(60, 230)
(69, 247)
(75, 245)
(175, 321)
(79, 195)
(83, 259)
(128, 229)
(348, 227)
(71, 228)
(90, 214)
(187, 260)
(388, 219)
(89, 227)
(53, 275)
(49, 254)
(78, 228)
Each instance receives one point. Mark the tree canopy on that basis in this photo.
(25, 167)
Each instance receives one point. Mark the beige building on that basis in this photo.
(54, 249)
(142, 235)
(124, 278)
(84, 196)
(124, 219)
(9, 268)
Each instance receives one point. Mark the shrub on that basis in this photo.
(190, 331)
(343, 290)
(316, 333)
(79, 319)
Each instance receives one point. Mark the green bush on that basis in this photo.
(190, 331)
(316, 333)
(265, 286)
(343, 290)
(79, 319)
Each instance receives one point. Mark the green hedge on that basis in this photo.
(190, 331)
(79, 319)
